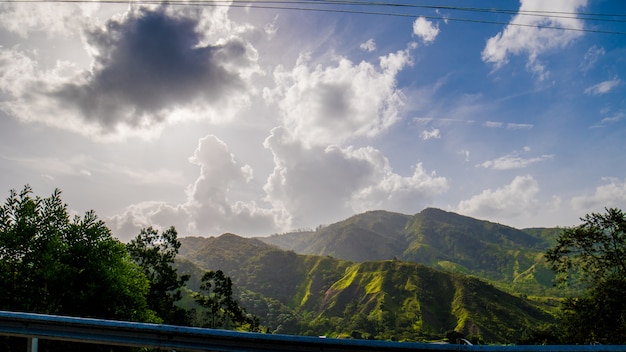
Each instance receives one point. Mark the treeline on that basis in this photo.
(53, 263)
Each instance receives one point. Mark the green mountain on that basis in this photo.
(443, 240)
(386, 299)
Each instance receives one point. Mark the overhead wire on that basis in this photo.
(323, 6)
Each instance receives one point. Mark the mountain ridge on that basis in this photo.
(436, 238)
(385, 298)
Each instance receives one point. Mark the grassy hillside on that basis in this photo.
(509, 257)
(392, 299)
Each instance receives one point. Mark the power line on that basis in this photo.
(313, 5)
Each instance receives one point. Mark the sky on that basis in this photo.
(257, 118)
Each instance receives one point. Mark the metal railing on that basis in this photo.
(180, 338)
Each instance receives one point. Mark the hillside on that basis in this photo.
(390, 299)
(438, 239)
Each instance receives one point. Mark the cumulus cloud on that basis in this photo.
(316, 183)
(369, 45)
(147, 65)
(524, 37)
(432, 134)
(514, 160)
(611, 194)
(308, 186)
(209, 208)
(329, 105)
(515, 199)
(24, 18)
(603, 87)
(425, 30)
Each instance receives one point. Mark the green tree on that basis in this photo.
(50, 263)
(155, 254)
(221, 309)
(594, 255)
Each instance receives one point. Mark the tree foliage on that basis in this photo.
(593, 253)
(52, 264)
(155, 254)
(221, 309)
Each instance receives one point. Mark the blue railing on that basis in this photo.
(180, 338)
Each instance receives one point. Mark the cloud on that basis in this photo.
(208, 198)
(432, 134)
(329, 105)
(609, 195)
(271, 28)
(317, 183)
(308, 186)
(148, 65)
(209, 208)
(603, 87)
(369, 45)
(508, 126)
(514, 160)
(85, 165)
(52, 17)
(425, 30)
(591, 58)
(493, 124)
(523, 37)
(515, 199)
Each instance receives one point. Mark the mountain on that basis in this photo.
(384, 299)
(439, 239)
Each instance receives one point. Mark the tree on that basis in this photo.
(155, 253)
(52, 264)
(221, 310)
(594, 255)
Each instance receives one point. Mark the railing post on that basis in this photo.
(33, 344)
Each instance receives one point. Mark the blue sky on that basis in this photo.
(256, 121)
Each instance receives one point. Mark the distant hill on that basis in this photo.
(438, 239)
(383, 299)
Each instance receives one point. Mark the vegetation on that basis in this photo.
(155, 254)
(390, 300)
(509, 258)
(594, 255)
(432, 276)
(54, 264)
(221, 309)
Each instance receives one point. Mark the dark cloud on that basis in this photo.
(148, 63)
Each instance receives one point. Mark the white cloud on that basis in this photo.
(432, 134)
(271, 28)
(369, 46)
(209, 208)
(513, 200)
(493, 124)
(425, 30)
(532, 41)
(508, 125)
(314, 184)
(84, 165)
(24, 18)
(614, 118)
(609, 195)
(328, 105)
(591, 58)
(519, 126)
(603, 87)
(514, 160)
(308, 186)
